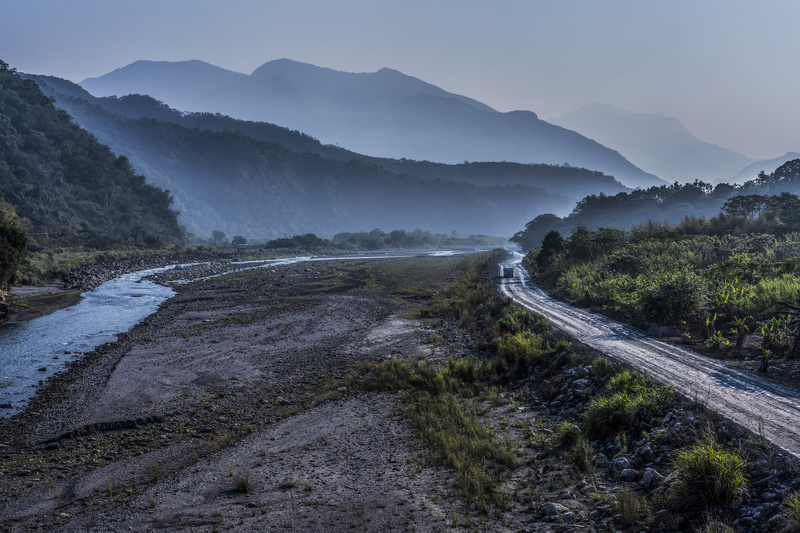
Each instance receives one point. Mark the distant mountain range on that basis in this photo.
(656, 143)
(264, 181)
(384, 113)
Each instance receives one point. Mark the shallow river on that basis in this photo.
(51, 341)
(32, 351)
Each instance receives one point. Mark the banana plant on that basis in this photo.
(792, 318)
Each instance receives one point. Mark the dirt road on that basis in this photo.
(740, 395)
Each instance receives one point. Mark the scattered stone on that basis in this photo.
(620, 463)
(42, 369)
(22, 472)
(206, 429)
(651, 478)
(774, 522)
(647, 454)
(6, 405)
(629, 474)
(283, 401)
(602, 460)
(52, 446)
(579, 385)
(553, 509)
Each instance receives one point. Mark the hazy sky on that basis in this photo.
(728, 69)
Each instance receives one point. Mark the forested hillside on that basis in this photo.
(230, 181)
(669, 203)
(571, 182)
(73, 189)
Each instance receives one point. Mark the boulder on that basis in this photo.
(620, 463)
(651, 478)
(553, 509)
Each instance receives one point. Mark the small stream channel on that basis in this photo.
(53, 340)
(33, 351)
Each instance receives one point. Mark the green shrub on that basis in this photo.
(567, 435)
(766, 297)
(631, 383)
(602, 366)
(674, 297)
(631, 398)
(516, 319)
(516, 352)
(706, 476)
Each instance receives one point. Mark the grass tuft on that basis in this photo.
(707, 476)
(242, 483)
(791, 512)
(630, 507)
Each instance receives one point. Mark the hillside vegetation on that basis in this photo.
(572, 182)
(670, 204)
(231, 181)
(72, 189)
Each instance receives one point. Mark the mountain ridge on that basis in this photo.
(377, 113)
(655, 142)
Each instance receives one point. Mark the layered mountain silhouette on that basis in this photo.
(264, 181)
(384, 113)
(655, 143)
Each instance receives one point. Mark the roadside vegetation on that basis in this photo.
(624, 451)
(712, 281)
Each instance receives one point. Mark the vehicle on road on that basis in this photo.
(508, 272)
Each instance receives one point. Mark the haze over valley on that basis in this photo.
(329, 266)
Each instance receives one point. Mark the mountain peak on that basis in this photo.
(654, 142)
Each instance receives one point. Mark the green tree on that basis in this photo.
(12, 244)
(219, 237)
(238, 241)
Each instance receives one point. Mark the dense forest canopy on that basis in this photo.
(73, 189)
(671, 204)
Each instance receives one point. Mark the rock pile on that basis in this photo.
(91, 275)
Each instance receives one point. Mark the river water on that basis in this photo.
(114, 307)
(53, 340)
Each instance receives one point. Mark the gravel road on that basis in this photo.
(740, 395)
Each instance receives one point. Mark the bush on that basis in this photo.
(674, 297)
(631, 399)
(516, 352)
(602, 366)
(706, 476)
(568, 435)
(765, 298)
